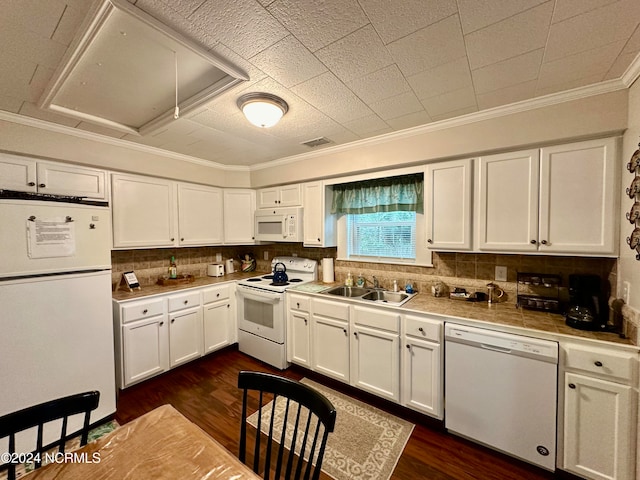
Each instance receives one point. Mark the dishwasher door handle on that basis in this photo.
(495, 348)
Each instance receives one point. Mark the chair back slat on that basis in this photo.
(41, 414)
(312, 412)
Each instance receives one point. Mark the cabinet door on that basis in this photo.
(217, 326)
(299, 338)
(448, 205)
(199, 215)
(185, 336)
(597, 428)
(375, 365)
(239, 216)
(268, 197)
(290, 196)
(17, 173)
(61, 179)
(145, 349)
(144, 212)
(331, 347)
(578, 191)
(319, 224)
(507, 197)
(421, 376)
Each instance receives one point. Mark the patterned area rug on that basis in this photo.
(366, 443)
(72, 444)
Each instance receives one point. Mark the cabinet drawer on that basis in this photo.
(186, 300)
(423, 328)
(298, 302)
(331, 309)
(139, 310)
(377, 318)
(607, 363)
(215, 294)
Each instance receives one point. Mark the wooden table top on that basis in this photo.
(161, 444)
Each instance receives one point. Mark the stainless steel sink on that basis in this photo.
(371, 295)
(348, 291)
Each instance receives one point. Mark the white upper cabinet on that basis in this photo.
(319, 224)
(448, 187)
(144, 212)
(507, 198)
(559, 199)
(30, 175)
(199, 215)
(239, 216)
(578, 192)
(282, 196)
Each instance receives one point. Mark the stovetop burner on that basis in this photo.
(293, 280)
(254, 279)
(279, 284)
(268, 277)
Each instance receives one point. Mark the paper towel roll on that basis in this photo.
(327, 270)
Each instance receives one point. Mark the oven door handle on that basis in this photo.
(259, 298)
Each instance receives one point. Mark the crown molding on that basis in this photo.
(513, 108)
(632, 72)
(117, 142)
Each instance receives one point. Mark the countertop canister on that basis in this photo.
(327, 270)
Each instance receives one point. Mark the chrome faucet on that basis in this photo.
(376, 284)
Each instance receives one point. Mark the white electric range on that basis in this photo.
(261, 310)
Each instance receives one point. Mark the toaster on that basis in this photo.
(215, 270)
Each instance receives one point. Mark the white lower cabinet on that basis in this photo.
(298, 330)
(599, 417)
(160, 332)
(375, 352)
(331, 339)
(422, 379)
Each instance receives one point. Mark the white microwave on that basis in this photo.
(279, 224)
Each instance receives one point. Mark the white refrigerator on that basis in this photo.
(56, 335)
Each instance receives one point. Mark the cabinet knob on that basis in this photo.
(533, 242)
(572, 385)
(172, 239)
(182, 239)
(355, 334)
(42, 185)
(32, 184)
(145, 311)
(544, 242)
(186, 301)
(161, 324)
(597, 363)
(408, 346)
(344, 330)
(173, 320)
(305, 321)
(318, 239)
(297, 304)
(228, 305)
(429, 241)
(421, 329)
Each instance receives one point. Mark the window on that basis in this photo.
(382, 236)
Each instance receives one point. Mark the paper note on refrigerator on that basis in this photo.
(51, 237)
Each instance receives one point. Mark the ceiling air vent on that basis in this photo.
(316, 142)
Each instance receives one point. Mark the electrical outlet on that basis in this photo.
(626, 289)
(266, 255)
(501, 274)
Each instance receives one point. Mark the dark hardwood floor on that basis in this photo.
(205, 391)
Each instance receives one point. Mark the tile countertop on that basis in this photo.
(505, 314)
(148, 290)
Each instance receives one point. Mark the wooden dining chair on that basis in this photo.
(41, 414)
(310, 429)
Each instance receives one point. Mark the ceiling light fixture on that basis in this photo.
(262, 109)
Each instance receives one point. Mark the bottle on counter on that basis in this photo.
(409, 287)
(173, 268)
(395, 285)
(349, 281)
(360, 281)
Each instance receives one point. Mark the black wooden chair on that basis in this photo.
(39, 415)
(310, 434)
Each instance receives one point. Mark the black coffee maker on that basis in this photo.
(588, 309)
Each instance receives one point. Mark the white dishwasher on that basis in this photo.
(500, 390)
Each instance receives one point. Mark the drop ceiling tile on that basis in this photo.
(16, 74)
(355, 55)
(562, 87)
(32, 47)
(31, 110)
(593, 29)
(100, 130)
(350, 109)
(317, 24)
(397, 106)
(183, 7)
(507, 95)
(10, 104)
(509, 38)
(442, 79)
(435, 45)
(35, 16)
(595, 62)
(242, 25)
(477, 14)
(620, 65)
(450, 102)
(565, 9)
(384, 83)
(367, 125)
(407, 16)
(509, 72)
(69, 24)
(288, 62)
(254, 73)
(455, 113)
(411, 120)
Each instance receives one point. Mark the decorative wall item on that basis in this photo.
(633, 191)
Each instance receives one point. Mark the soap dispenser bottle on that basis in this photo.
(360, 281)
(349, 281)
